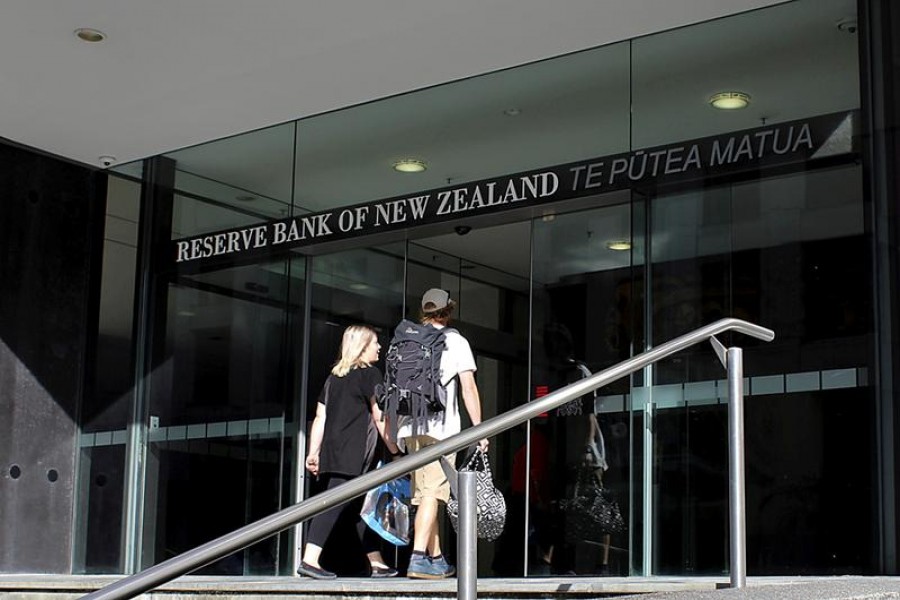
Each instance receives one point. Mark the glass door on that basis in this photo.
(355, 287)
(486, 271)
(689, 274)
(219, 409)
(586, 294)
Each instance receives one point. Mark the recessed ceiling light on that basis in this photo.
(730, 100)
(358, 286)
(410, 165)
(847, 25)
(619, 245)
(90, 35)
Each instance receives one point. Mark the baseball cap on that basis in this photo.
(436, 299)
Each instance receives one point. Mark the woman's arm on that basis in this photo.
(316, 433)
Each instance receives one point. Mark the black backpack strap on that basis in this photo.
(444, 331)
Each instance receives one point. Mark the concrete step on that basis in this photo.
(69, 587)
(792, 588)
(59, 587)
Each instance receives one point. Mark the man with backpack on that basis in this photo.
(428, 366)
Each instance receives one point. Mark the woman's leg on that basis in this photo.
(321, 525)
(371, 543)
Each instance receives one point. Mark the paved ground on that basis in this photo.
(833, 588)
(68, 587)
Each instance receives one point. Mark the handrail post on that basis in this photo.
(467, 538)
(736, 505)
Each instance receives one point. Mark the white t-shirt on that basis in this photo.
(456, 358)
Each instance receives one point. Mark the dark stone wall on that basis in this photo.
(880, 75)
(51, 237)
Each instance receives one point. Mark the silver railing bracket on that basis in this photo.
(720, 349)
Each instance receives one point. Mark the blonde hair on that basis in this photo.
(355, 341)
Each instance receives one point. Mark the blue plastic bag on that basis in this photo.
(386, 511)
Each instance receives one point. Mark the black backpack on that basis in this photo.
(412, 375)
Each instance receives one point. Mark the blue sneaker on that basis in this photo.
(441, 564)
(422, 567)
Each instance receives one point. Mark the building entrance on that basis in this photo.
(546, 297)
(581, 210)
(248, 348)
(543, 300)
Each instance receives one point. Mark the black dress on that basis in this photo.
(348, 443)
(348, 447)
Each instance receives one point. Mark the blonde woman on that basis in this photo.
(342, 443)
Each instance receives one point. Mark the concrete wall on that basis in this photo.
(51, 218)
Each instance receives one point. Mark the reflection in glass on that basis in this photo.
(542, 301)
(581, 306)
(776, 55)
(241, 180)
(108, 397)
(564, 109)
(219, 408)
(784, 252)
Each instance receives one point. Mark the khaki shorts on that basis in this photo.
(429, 481)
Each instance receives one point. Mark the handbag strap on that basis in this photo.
(482, 457)
(453, 475)
(585, 480)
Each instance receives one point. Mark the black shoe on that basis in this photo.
(384, 572)
(314, 572)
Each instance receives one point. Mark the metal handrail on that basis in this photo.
(153, 577)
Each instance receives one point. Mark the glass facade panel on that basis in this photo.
(219, 413)
(752, 250)
(236, 181)
(786, 252)
(546, 295)
(467, 130)
(106, 411)
(582, 293)
(690, 273)
(814, 286)
(193, 216)
(491, 289)
(356, 287)
(777, 56)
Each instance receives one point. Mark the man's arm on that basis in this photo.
(469, 390)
